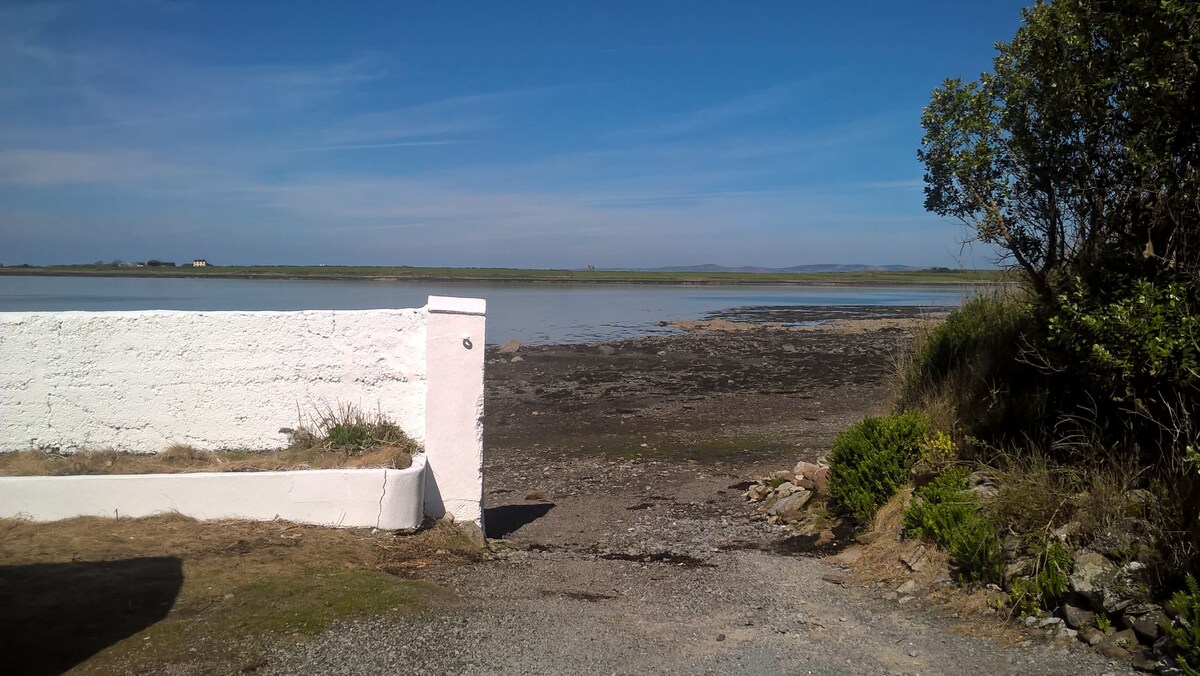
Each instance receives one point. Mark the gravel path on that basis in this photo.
(662, 581)
(622, 553)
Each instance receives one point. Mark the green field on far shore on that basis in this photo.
(930, 276)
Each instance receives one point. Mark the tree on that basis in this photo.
(1083, 143)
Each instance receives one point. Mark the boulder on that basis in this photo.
(509, 347)
(1076, 615)
(916, 560)
(805, 469)
(909, 588)
(791, 507)
(1018, 568)
(1118, 646)
(1089, 575)
(1147, 626)
(607, 350)
(1091, 635)
(820, 479)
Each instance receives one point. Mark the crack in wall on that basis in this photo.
(382, 497)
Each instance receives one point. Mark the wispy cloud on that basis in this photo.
(911, 184)
(364, 146)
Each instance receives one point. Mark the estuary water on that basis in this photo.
(532, 313)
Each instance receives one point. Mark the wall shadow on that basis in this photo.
(55, 615)
(505, 519)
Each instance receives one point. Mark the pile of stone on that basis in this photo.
(784, 494)
(1107, 609)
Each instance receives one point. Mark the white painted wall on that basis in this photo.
(454, 408)
(142, 381)
(389, 499)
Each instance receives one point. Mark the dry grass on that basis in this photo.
(882, 560)
(179, 459)
(138, 595)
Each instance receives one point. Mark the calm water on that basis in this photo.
(533, 313)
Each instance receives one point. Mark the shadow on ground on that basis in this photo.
(505, 519)
(55, 615)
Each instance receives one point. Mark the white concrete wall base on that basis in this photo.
(388, 499)
(142, 381)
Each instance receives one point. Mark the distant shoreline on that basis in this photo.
(523, 276)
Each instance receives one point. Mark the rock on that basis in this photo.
(1064, 532)
(868, 537)
(1066, 633)
(516, 359)
(820, 479)
(848, 556)
(758, 492)
(1018, 568)
(909, 588)
(1143, 662)
(1076, 616)
(1091, 635)
(473, 533)
(1012, 545)
(1118, 646)
(916, 560)
(509, 347)
(607, 350)
(1049, 622)
(1147, 626)
(790, 507)
(984, 492)
(788, 347)
(805, 469)
(836, 577)
(1031, 621)
(1089, 576)
(785, 489)
(805, 483)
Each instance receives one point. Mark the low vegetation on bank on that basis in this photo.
(1046, 438)
(408, 273)
(333, 437)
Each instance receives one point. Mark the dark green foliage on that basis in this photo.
(870, 460)
(975, 362)
(348, 437)
(1080, 143)
(940, 508)
(977, 553)
(347, 429)
(946, 513)
(1047, 587)
(1186, 629)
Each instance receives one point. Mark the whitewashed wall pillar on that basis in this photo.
(454, 408)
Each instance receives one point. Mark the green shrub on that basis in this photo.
(349, 430)
(940, 508)
(1186, 633)
(870, 460)
(947, 514)
(972, 363)
(1047, 587)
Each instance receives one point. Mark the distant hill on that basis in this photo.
(821, 267)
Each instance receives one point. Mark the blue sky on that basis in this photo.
(530, 134)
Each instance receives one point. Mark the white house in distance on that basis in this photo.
(199, 263)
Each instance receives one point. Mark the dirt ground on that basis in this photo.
(621, 542)
(614, 476)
